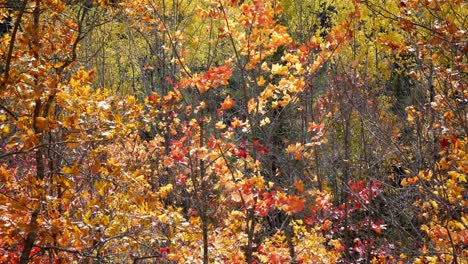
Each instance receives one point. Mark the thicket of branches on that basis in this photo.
(291, 131)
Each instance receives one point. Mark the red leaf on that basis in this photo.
(241, 153)
(164, 251)
(444, 142)
(296, 204)
(261, 149)
(177, 155)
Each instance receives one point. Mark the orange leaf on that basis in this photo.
(41, 122)
(299, 185)
(261, 81)
(314, 127)
(252, 105)
(227, 104)
(295, 204)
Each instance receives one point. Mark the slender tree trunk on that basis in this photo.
(40, 165)
(30, 238)
(12, 40)
(289, 237)
(346, 171)
(250, 235)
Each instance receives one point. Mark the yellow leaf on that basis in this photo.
(220, 125)
(299, 68)
(5, 129)
(261, 81)
(165, 190)
(73, 170)
(410, 111)
(251, 105)
(457, 176)
(104, 219)
(86, 217)
(163, 218)
(66, 182)
(100, 187)
(278, 69)
(274, 104)
(4, 174)
(285, 101)
(112, 230)
(140, 178)
(464, 220)
(404, 182)
(265, 121)
(137, 175)
(41, 122)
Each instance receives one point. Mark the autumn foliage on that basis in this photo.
(290, 131)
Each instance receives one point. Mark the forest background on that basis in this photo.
(230, 131)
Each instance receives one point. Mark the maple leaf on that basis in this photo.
(154, 98)
(227, 103)
(378, 227)
(261, 81)
(265, 121)
(220, 125)
(314, 127)
(278, 69)
(236, 123)
(240, 152)
(261, 149)
(252, 105)
(444, 142)
(73, 170)
(299, 185)
(164, 251)
(165, 190)
(177, 154)
(291, 204)
(42, 123)
(181, 179)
